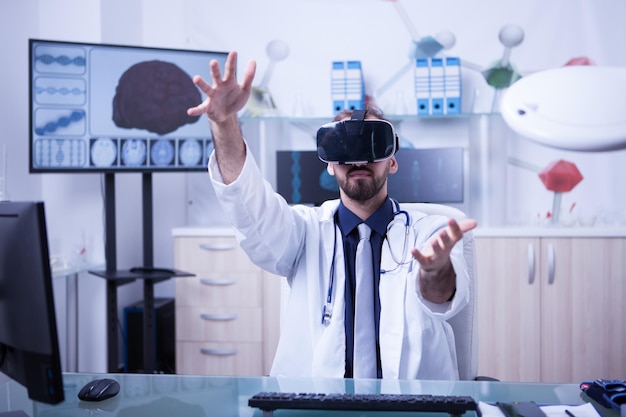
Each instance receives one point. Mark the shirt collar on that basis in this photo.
(378, 221)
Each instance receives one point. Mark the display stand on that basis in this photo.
(116, 278)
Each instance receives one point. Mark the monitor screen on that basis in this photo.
(29, 348)
(432, 175)
(112, 108)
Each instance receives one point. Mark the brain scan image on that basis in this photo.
(134, 152)
(190, 153)
(155, 96)
(162, 152)
(103, 152)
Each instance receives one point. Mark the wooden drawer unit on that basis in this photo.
(212, 358)
(209, 289)
(226, 322)
(219, 324)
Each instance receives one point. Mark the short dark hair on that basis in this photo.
(369, 110)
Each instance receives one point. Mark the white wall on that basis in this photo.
(317, 32)
(320, 31)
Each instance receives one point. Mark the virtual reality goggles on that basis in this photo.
(357, 140)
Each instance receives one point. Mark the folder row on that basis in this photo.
(438, 85)
(347, 86)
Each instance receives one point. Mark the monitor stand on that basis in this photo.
(147, 273)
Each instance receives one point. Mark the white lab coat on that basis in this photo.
(296, 242)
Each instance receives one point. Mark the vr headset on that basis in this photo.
(356, 141)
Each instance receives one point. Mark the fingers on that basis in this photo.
(230, 69)
(202, 85)
(467, 224)
(248, 75)
(417, 255)
(441, 244)
(223, 94)
(198, 110)
(457, 229)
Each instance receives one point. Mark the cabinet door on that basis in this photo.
(508, 297)
(583, 335)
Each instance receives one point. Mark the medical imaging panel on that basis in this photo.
(103, 108)
(428, 175)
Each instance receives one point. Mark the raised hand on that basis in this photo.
(225, 97)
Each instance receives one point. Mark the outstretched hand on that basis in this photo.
(437, 278)
(436, 255)
(225, 97)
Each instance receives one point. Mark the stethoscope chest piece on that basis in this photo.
(327, 313)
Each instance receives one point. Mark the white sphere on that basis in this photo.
(277, 50)
(446, 39)
(511, 35)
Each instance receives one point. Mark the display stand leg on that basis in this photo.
(147, 273)
(110, 251)
(148, 284)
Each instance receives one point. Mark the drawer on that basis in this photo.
(242, 289)
(197, 254)
(204, 358)
(219, 324)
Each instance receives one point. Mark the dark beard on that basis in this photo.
(362, 189)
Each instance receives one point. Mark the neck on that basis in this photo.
(364, 209)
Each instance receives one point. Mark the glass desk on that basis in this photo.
(164, 395)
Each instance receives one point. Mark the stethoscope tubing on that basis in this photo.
(327, 308)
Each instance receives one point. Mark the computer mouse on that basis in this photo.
(99, 390)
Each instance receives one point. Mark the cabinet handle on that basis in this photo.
(531, 264)
(551, 266)
(218, 281)
(217, 246)
(218, 317)
(218, 352)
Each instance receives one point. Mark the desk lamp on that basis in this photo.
(574, 107)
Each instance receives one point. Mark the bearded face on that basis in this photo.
(362, 182)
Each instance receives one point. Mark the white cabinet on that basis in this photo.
(551, 309)
(227, 315)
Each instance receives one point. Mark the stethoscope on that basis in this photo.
(327, 310)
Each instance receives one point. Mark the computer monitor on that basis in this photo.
(116, 108)
(29, 348)
(429, 175)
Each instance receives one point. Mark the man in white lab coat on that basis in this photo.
(416, 293)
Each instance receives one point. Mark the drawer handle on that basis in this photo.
(218, 317)
(218, 281)
(218, 352)
(551, 255)
(531, 264)
(217, 246)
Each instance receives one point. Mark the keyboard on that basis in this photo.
(454, 405)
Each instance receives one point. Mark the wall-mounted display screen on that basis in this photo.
(114, 108)
(433, 175)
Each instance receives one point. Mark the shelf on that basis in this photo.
(127, 276)
(400, 117)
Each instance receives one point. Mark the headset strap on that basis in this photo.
(358, 115)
